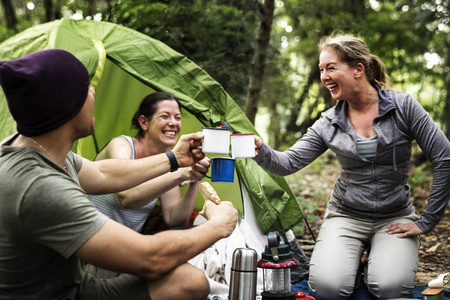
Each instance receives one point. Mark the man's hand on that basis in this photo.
(186, 150)
(406, 229)
(224, 214)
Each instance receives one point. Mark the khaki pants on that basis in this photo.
(123, 287)
(392, 262)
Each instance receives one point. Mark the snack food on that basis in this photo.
(209, 193)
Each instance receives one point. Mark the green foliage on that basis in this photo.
(312, 187)
(25, 18)
(308, 207)
(397, 31)
(420, 176)
(298, 230)
(220, 36)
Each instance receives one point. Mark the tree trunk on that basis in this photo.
(57, 10)
(91, 8)
(259, 60)
(329, 102)
(109, 11)
(10, 15)
(447, 97)
(292, 126)
(275, 126)
(313, 76)
(49, 12)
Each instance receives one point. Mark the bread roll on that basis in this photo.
(209, 193)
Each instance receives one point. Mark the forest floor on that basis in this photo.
(313, 186)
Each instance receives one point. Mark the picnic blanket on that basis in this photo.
(363, 294)
(216, 260)
(360, 294)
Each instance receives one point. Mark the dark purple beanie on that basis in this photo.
(44, 89)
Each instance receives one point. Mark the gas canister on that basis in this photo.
(433, 294)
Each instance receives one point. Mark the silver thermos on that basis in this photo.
(243, 275)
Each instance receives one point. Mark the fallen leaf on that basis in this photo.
(434, 248)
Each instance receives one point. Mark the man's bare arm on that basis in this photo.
(119, 248)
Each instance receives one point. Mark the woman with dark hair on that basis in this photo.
(371, 130)
(158, 122)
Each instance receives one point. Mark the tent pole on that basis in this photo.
(96, 145)
(309, 228)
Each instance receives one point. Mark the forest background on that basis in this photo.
(264, 54)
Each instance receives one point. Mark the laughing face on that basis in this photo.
(164, 127)
(337, 76)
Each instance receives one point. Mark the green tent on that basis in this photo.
(124, 66)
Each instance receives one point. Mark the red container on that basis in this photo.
(303, 296)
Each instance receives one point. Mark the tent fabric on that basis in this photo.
(149, 65)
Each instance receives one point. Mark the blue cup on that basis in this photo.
(222, 169)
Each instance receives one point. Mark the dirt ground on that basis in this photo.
(314, 184)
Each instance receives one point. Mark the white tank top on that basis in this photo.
(110, 205)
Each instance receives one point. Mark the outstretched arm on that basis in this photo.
(177, 210)
(114, 175)
(116, 247)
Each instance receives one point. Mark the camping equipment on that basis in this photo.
(243, 145)
(222, 169)
(435, 289)
(440, 281)
(243, 274)
(303, 296)
(276, 261)
(433, 294)
(216, 140)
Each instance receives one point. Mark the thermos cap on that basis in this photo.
(244, 259)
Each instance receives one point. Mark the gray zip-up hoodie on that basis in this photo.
(378, 189)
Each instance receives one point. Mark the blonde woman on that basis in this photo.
(371, 130)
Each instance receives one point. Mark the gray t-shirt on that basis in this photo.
(45, 217)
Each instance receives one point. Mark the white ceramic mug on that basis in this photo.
(243, 145)
(216, 140)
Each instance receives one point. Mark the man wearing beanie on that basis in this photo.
(49, 228)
